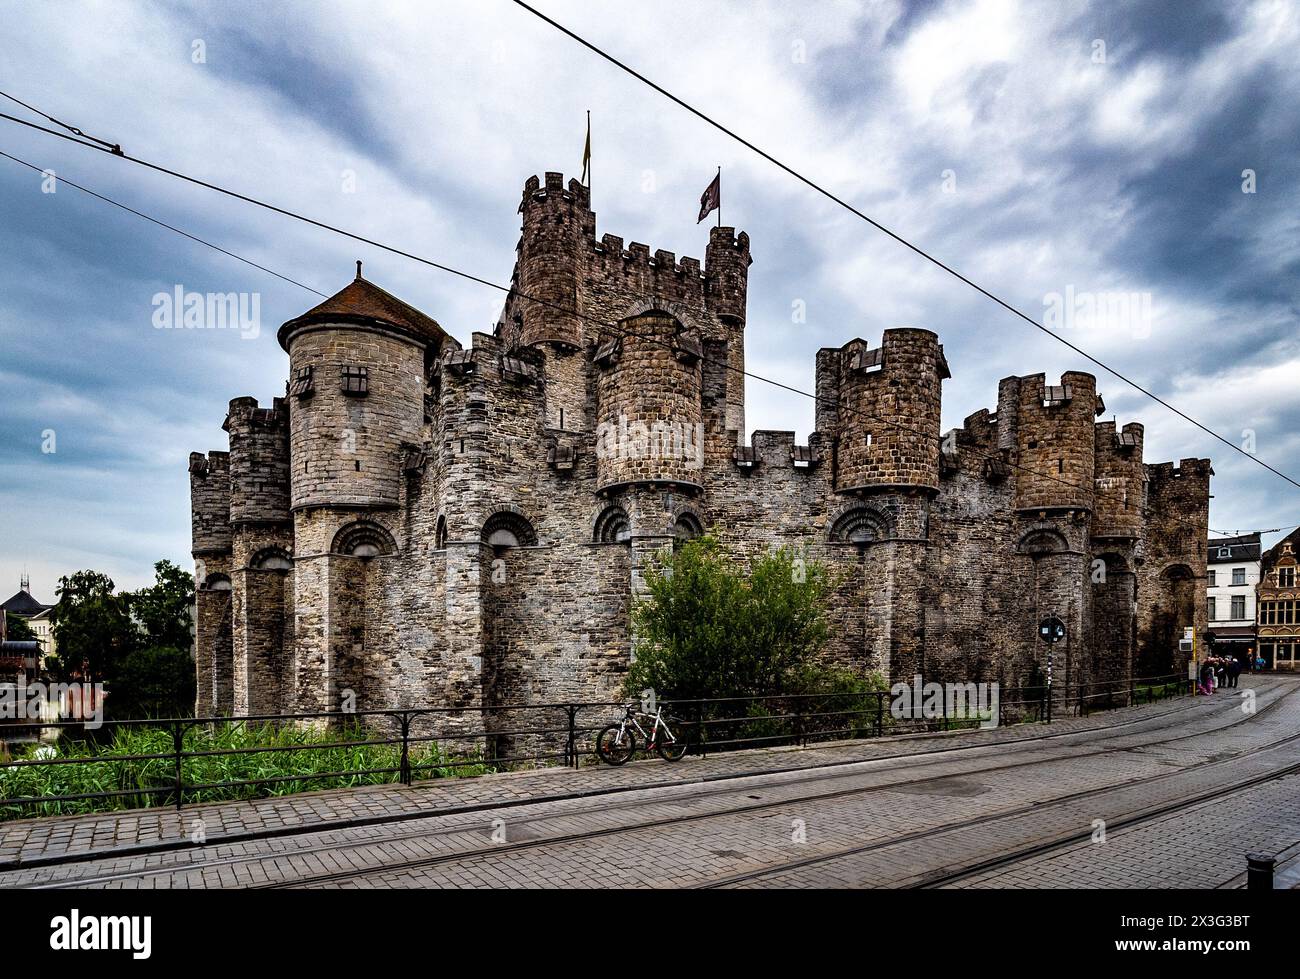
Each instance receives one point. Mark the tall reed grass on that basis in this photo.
(261, 750)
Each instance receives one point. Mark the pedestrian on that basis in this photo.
(1207, 678)
(1234, 671)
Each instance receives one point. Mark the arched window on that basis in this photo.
(216, 582)
(440, 535)
(687, 527)
(859, 526)
(363, 539)
(505, 528)
(1043, 541)
(272, 559)
(613, 526)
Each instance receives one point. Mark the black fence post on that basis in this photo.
(178, 747)
(571, 747)
(700, 739)
(1259, 872)
(880, 714)
(404, 766)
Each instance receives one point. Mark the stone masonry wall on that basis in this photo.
(946, 551)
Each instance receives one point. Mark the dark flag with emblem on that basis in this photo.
(711, 199)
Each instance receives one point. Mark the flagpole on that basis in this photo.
(719, 195)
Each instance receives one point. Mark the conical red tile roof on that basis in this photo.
(361, 301)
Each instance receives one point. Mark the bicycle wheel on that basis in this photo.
(673, 750)
(613, 750)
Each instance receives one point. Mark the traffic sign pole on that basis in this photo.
(1051, 630)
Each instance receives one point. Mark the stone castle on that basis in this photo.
(418, 523)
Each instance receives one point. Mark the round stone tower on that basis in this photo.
(556, 222)
(1056, 445)
(650, 421)
(356, 391)
(259, 461)
(887, 402)
(1121, 482)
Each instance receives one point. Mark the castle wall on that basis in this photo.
(474, 529)
(213, 663)
(1172, 576)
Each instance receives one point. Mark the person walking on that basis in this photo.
(1234, 671)
(1207, 678)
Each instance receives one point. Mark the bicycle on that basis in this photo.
(616, 743)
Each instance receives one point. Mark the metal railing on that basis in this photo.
(185, 759)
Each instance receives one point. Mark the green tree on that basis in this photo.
(17, 630)
(707, 629)
(92, 627)
(162, 610)
(157, 681)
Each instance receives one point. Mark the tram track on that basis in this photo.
(1014, 857)
(744, 809)
(946, 877)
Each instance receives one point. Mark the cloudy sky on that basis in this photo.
(1069, 149)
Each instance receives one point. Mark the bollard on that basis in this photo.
(1259, 871)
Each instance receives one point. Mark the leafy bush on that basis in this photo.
(710, 630)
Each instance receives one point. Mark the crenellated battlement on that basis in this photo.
(245, 412)
(259, 461)
(560, 258)
(882, 405)
(210, 503)
(1166, 474)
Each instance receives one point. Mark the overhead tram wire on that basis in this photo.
(807, 181)
(113, 148)
(613, 327)
(169, 227)
(1259, 530)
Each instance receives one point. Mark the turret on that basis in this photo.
(726, 269)
(210, 503)
(356, 395)
(650, 428)
(1052, 428)
(557, 224)
(259, 461)
(1121, 482)
(884, 404)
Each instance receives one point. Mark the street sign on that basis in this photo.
(1051, 630)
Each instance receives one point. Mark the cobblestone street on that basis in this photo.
(1170, 795)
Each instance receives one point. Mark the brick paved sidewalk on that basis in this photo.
(34, 841)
